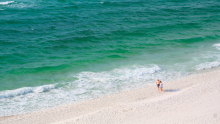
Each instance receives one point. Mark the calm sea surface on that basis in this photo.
(60, 52)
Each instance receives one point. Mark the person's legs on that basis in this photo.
(161, 89)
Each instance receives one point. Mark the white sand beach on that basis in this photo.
(190, 100)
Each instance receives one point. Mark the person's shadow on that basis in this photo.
(171, 90)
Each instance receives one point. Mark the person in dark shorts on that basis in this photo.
(158, 84)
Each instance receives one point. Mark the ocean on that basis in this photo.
(60, 52)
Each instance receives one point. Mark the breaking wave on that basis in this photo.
(5, 3)
(217, 46)
(207, 65)
(25, 90)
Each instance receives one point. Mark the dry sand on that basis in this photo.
(191, 100)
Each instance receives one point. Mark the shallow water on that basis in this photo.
(59, 52)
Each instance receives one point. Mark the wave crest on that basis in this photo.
(207, 65)
(217, 46)
(123, 73)
(25, 90)
(5, 3)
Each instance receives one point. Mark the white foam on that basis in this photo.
(114, 80)
(25, 90)
(5, 3)
(17, 5)
(207, 65)
(43, 88)
(122, 73)
(88, 86)
(89, 80)
(136, 71)
(217, 46)
(17, 92)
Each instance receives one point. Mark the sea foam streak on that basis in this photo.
(89, 85)
(123, 73)
(5, 3)
(217, 46)
(25, 90)
(207, 65)
(115, 79)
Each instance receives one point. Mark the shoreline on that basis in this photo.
(121, 103)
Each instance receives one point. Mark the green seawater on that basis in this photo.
(75, 50)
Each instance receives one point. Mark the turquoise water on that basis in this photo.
(63, 51)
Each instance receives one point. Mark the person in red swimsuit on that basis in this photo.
(158, 83)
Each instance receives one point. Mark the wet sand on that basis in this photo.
(194, 99)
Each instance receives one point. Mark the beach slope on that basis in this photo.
(194, 99)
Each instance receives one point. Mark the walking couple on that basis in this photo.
(159, 85)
